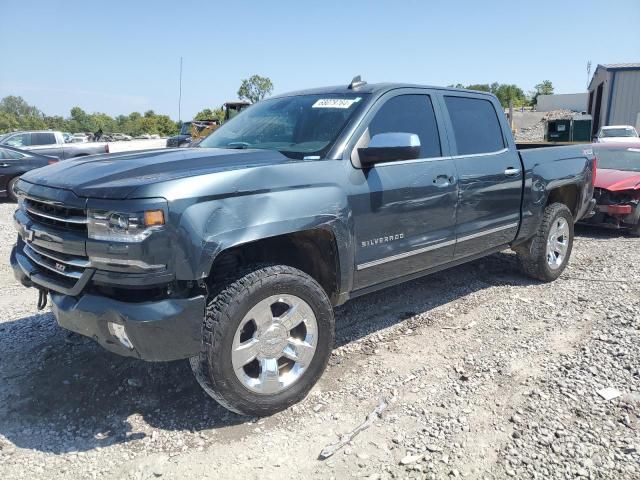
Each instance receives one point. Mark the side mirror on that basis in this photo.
(389, 147)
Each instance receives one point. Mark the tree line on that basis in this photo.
(17, 114)
(512, 93)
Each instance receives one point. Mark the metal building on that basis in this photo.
(614, 95)
(576, 102)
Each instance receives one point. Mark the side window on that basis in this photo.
(45, 138)
(19, 140)
(6, 154)
(475, 125)
(409, 114)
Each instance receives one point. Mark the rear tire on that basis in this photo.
(546, 255)
(254, 328)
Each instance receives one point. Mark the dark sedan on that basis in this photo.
(13, 163)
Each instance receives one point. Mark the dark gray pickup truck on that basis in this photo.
(233, 254)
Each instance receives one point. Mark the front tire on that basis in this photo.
(267, 338)
(546, 255)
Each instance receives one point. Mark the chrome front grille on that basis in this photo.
(69, 266)
(56, 215)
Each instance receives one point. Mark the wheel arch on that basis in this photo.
(568, 194)
(314, 251)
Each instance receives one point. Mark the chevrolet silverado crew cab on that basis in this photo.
(233, 254)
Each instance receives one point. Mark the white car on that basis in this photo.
(120, 137)
(617, 133)
(79, 138)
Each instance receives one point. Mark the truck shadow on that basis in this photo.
(63, 394)
(589, 231)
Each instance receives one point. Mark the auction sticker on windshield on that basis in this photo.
(335, 102)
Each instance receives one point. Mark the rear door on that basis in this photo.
(489, 170)
(403, 211)
(45, 143)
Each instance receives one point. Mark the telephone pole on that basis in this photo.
(180, 94)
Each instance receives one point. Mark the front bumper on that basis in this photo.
(162, 330)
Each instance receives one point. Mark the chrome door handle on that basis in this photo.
(4, 165)
(512, 172)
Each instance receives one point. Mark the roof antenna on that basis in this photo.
(356, 83)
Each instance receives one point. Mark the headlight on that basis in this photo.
(123, 227)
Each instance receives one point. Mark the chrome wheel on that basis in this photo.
(274, 344)
(557, 243)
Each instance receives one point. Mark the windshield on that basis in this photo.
(618, 132)
(185, 129)
(298, 127)
(619, 159)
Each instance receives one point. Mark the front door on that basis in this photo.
(404, 211)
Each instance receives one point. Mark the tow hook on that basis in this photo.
(42, 298)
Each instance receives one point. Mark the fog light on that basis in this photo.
(120, 333)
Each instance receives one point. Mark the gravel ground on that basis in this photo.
(486, 374)
(530, 126)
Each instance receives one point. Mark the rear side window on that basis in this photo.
(45, 138)
(475, 125)
(10, 154)
(409, 114)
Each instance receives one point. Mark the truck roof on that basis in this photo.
(372, 88)
(32, 131)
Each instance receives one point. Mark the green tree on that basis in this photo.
(543, 88)
(8, 122)
(209, 114)
(165, 126)
(79, 121)
(19, 107)
(507, 93)
(55, 122)
(255, 88)
(17, 114)
(481, 87)
(205, 114)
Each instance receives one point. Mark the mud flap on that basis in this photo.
(42, 298)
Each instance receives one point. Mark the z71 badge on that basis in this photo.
(385, 239)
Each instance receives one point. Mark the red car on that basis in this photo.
(617, 186)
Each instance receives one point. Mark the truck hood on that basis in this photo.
(117, 176)
(617, 180)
